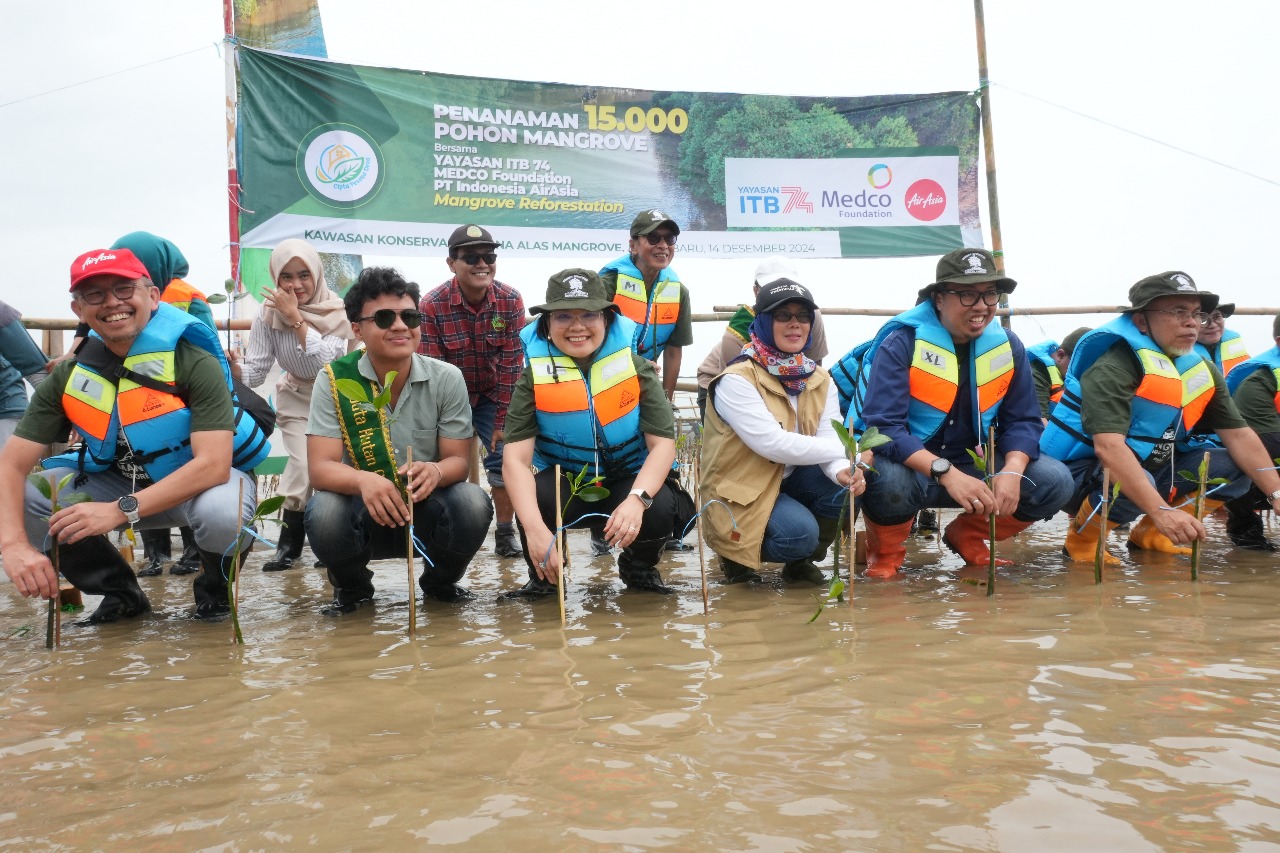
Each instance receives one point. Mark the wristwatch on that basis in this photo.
(643, 496)
(1274, 496)
(938, 469)
(129, 506)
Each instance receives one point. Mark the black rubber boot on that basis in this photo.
(738, 573)
(352, 585)
(439, 579)
(156, 551)
(189, 562)
(211, 587)
(505, 541)
(600, 546)
(1244, 526)
(926, 521)
(806, 570)
(95, 566)
(637, 566)
(289, 548)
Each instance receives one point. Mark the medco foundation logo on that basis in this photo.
(340, 165)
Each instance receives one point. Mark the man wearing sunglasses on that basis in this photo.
(1139, 401)
(358, 453)
(1224, 347)
(648, 292)
(935, 380)
(473, 321)
(163, 445)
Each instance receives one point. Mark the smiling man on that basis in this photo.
(358, 459)
(163, 445)
(473, 322)
(936, 379)
(1138, 400)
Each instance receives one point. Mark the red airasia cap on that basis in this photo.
(98, 262)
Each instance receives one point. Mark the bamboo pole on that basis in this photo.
(236, 636)
(230, 57)
(991, 519)
(1195, 544)
(408, 543)
(1103, 511)
(559, 546)
(702, 555)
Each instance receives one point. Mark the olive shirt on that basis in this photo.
(1044, 387)
(433, 404)
(1256, 400)
(682, 334)
(1107, 389)
(656, 417)
(197, 371)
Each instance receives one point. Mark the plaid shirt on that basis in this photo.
(483, 342)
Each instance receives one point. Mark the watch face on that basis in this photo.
(128, 503)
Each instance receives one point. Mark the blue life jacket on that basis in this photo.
(845, 374)
(1167, 404)
(1228, 354)
(654, 313)
(104, 395)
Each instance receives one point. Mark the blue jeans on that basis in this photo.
(1087, 474)
(792, 530)
(483, 415)
(895, 493)
(451, 524)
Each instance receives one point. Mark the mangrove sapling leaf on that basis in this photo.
(42, 485)
(978, 461)
(270, 506)
(591, 494)
(352, 390)
(265, 507)
(76, 498)
(834, 593)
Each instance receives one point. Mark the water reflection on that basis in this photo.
(1053, 715)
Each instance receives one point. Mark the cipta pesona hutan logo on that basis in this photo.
(340, 165)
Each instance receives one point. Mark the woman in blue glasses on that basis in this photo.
(586, 401)
(302, 328)
(770, 455)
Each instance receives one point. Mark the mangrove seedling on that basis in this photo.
(231, 298)
(53, 493)
(1201, 478)
(266, 507)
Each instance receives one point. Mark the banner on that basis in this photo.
(386, 161)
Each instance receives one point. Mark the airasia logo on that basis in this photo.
(925, 200)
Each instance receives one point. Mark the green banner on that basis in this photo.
(387, 161)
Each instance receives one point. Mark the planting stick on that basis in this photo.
(702, 554)
(1195, 544)
(1100, 556)
(559, 546)
(991, 462)
(236, 635)
(408, 544)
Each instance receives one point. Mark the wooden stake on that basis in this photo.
(408, 544)
(559, 545)
(1195, 545)
(236, 635)
(1104, 510)
(702, 554)
(991, 479)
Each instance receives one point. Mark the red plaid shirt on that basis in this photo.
(482, 341)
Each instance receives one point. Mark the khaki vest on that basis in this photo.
(735, 474)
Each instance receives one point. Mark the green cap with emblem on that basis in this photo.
(1171, 283)
(961, 266)
(647, 221)
(575, 288)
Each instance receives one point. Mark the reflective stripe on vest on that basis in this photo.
(1269, 360)
(654, 313)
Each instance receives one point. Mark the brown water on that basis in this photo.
(1142, 714)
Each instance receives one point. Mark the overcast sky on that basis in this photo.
(1086, 209)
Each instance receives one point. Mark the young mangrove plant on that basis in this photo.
(53, 493)
(1201, 478)
(266, 507)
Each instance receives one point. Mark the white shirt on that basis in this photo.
(740, 405)
(268, 345)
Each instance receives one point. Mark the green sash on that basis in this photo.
(365, 433)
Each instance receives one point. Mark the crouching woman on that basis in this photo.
(586, 400)
(770, 453)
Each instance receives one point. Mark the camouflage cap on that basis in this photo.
(1171, 283)
(573, 289)
(960, 266)
(649, 220)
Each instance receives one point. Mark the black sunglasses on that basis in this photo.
(473, 258)
(385, 318)
(655, 239)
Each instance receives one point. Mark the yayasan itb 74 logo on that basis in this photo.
(340, 165)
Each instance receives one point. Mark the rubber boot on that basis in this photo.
(1146, 536)
(1245, 527)
(352, 586)
(638, 567)
(156, 551)
(211, 587)
(805, 570)
(886, 547)
(94, 566)
(189, 562)
(926, 521)
(738, 573)
(600, 546)
(968, 536)
(289, 548)
(1082, 537)
(505, 541)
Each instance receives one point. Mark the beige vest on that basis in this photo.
(735, 474)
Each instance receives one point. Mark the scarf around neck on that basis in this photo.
(792, 369)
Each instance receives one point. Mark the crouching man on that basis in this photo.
(164, 444)
(358, 461)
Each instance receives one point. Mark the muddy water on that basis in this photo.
(1142, 714)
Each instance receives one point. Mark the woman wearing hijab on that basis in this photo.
(302, 327)
(769, 451)
(586, 400)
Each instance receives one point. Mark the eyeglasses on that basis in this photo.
(122, 292)
(1181, 315)
(1215, 318)
(564, 318)
(655, 239)
(385, 318)
(473, 258)
(788, 316)
(969, 298)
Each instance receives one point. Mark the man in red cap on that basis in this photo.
(162, 445)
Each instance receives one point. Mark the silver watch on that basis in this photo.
(1274, 496)
(129, 506)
